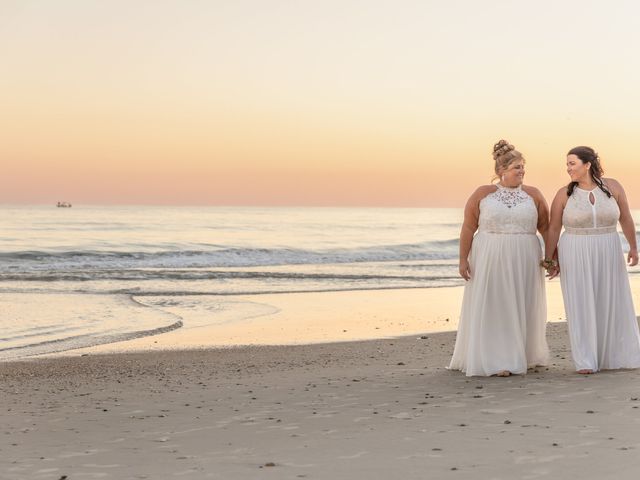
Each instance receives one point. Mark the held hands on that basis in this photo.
(465, 271)
(632, 257)
(551, 266)
(553, 272)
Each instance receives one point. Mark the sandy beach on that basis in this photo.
(383, 409)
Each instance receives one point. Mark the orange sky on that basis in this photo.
(309, 103)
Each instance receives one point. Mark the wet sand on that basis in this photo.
(377, 409)
(309, 318)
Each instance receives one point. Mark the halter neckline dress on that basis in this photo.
(595, 285)
(503, 317)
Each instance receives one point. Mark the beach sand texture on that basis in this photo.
(379, 409)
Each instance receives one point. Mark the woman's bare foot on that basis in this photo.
(585, 371)
(503, 373)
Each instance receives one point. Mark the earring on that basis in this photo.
(502, 178)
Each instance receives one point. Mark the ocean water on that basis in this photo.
(73, 277)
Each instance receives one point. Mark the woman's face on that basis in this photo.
(514, 174)
(576, 169)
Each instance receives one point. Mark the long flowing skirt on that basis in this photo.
(503, 318)
(597, 299)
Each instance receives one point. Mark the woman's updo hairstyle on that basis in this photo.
(504, 155)
(586, 155)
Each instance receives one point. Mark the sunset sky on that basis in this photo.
(270, 102)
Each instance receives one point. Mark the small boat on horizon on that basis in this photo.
(64, 205)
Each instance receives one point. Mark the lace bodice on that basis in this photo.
(580, 214)
(508, 210)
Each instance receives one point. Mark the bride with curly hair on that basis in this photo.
(503, 318)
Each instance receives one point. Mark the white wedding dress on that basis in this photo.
(503, 318)
(595, 284)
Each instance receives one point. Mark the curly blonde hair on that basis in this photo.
(504, 154)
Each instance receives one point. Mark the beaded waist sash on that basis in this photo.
(590, 231)
(506, 233)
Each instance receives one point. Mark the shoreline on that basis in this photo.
(301, 318)
(305, 318)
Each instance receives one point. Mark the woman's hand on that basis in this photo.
(465, 271)
(553, 272)
(632, 257)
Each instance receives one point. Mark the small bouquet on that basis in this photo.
(548, 263)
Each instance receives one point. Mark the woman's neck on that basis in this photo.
(587, 183)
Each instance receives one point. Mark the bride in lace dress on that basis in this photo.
(595, 286)
(503, 317)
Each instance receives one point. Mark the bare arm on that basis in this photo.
(543, 210)
(469, 227)
(555, 226)
(626, 220)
